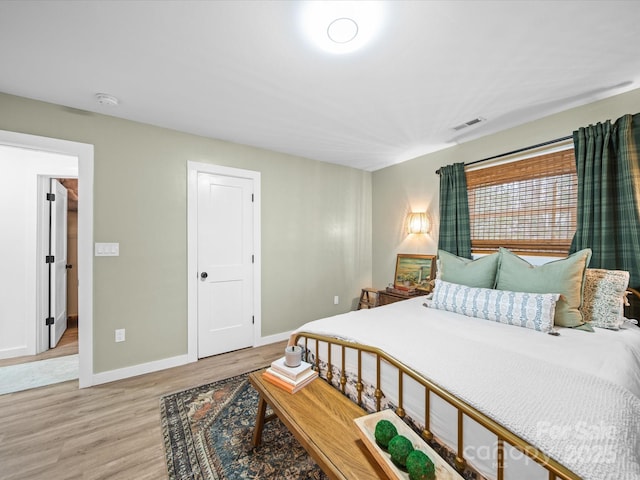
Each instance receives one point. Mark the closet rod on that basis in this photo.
(543, 144)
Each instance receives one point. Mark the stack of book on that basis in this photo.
(290, 379)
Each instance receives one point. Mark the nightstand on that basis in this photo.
(386, 297)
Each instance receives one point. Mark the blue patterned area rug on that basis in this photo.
(208, 431)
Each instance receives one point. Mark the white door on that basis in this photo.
(225, 264)
(58, 269)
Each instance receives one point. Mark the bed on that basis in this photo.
(503, 402)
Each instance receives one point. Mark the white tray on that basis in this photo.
(367, 427)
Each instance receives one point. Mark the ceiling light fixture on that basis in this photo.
(341, 26)
(106, 99)
(342, 30)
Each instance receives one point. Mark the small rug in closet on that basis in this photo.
(208, 433)
(25, 376)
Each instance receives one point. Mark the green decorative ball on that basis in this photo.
(385, 431)
(399, 448)
(420, 466)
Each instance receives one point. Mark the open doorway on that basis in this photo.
(30, 211)
(58, 235)
(68, 344)
(22, 307)
(48, 345)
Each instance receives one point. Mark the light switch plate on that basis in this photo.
(107, 249)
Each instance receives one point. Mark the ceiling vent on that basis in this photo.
(469, 123)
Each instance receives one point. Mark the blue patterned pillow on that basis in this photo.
(530, 310)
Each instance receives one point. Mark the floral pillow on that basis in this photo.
(530, 310)
(604, 297)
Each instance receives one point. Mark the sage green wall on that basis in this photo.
(316, 229)
(413, 185)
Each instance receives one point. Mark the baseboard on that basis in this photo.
(150, 367)
(14, 352)
(141, 369)
(278, 337)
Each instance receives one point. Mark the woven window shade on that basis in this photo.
(528, 206)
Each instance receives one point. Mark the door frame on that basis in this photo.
(85, 155)
(193, 168)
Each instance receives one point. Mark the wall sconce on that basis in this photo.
(418, 222)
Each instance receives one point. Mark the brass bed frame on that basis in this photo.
(555, 469)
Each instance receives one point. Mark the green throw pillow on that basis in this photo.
(565, 277)
(478, 273)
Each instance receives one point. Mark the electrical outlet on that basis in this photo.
(336, 300)
(120, 335)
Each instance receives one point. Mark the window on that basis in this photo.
(528, 206)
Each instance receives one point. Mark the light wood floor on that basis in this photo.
(109, 431)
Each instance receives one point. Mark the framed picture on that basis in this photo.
(414, 271)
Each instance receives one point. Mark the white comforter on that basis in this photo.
(575, 396)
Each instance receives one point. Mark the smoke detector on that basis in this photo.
(106, 99)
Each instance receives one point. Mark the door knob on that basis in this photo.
(203, 275)
(68, 266)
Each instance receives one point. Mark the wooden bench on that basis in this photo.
(321, 418)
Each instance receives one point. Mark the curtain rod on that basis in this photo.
(543, 144)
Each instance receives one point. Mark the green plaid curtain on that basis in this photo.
(608, 222)
(455, 230)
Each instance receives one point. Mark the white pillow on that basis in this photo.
(529, 310)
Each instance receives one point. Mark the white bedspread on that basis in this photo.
(575, 396)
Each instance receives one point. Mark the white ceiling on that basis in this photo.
(243, 71)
